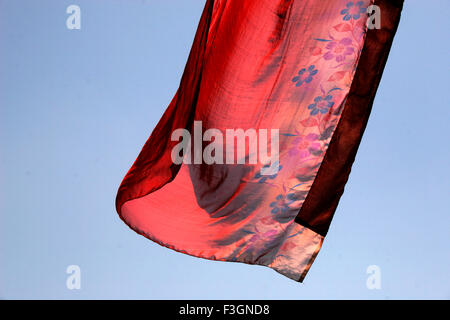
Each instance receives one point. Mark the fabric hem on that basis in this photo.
(212, 258)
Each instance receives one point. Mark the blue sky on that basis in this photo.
(76, 106)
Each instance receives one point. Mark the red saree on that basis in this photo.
(308, 69)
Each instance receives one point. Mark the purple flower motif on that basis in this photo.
(353, 10)
(305, 145)
(338, 49)
(279, 205)
(266, 236)
(321, 104)
(262, 179)
(280, 209)
(305, 75)
(257, 240)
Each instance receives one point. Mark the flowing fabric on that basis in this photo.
(308, 69)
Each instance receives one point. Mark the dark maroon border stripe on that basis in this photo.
(328, 187)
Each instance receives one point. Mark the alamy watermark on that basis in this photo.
(73, 281)
(73, 22)
(231, 146)
(374, 20)
(373, 282)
